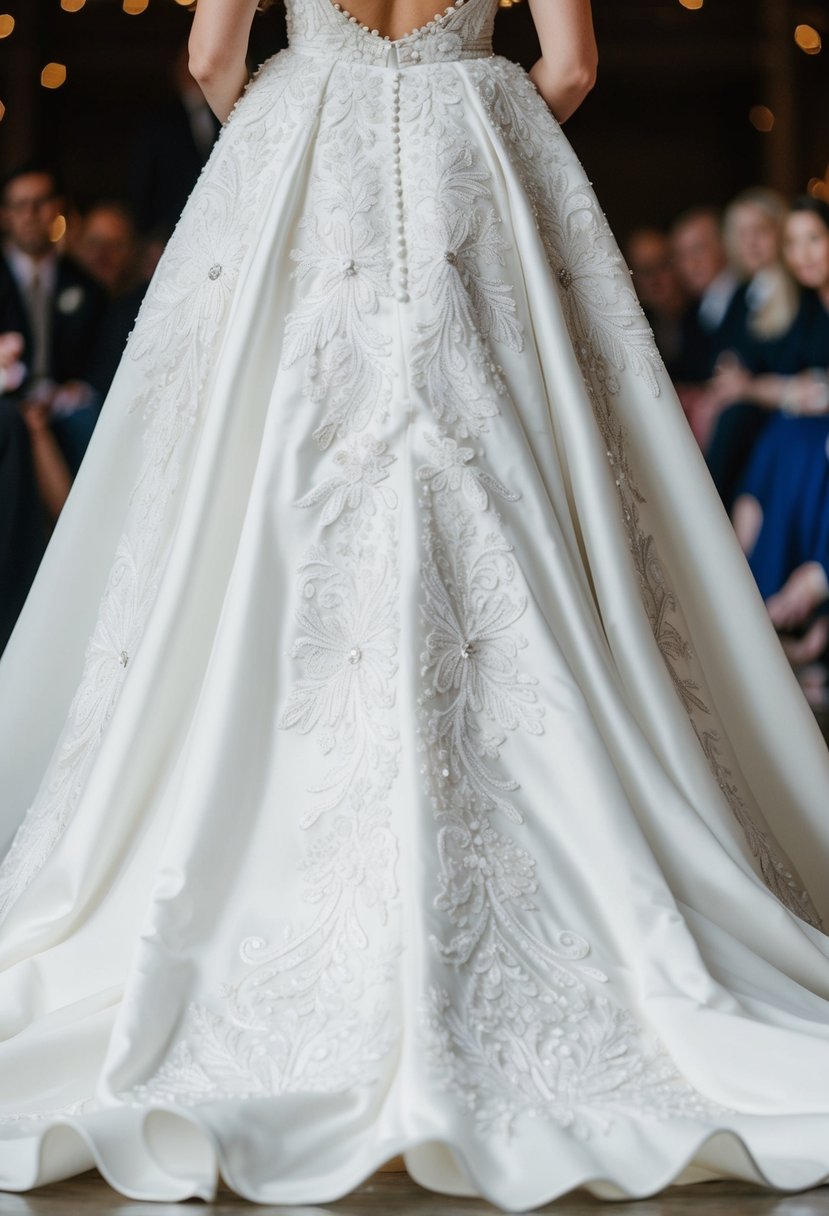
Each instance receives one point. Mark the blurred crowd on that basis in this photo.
(738, 301)
(71, 284)
(739, 305)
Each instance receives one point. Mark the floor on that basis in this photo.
(394, 1194)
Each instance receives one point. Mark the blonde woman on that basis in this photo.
(764, 309)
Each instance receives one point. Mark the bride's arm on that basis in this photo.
(566, 71)
(218, 50)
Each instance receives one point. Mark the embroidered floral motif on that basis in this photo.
(312, 1012)
(347, 623)
(600, 301)
(452, 470)
(365, 462)
(610, 335)
(576, 1061)
(456, 234)
(345, 260)
(471, 657)
(522, 1034)
(175, 341)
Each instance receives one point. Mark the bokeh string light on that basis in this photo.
(53, 75)
(807, 37)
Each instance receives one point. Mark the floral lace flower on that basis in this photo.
(364, 462)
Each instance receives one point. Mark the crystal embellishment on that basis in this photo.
(214, 272)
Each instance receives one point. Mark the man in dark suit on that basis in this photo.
(169, 154)
(53, 303)
(713, 321)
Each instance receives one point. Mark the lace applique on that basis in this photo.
(455, 235)
(36, 1119)
(312, 1013)
(522, 1033)
(321, 27)
(610, 334)
(595, 285)
(364, 462)
(175, 339)
(452, 470)
(663, 609)
(471, 658)
(344, 264)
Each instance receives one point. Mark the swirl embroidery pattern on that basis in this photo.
(313, 1011)
(174, 338)
(527, 1036)
(610, 335)
(520, 1033)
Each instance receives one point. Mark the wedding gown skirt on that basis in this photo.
(396, 750)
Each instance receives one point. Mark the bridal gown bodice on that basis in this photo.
(395, 751)
(325, 28)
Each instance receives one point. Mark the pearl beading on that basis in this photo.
(402, 294)
(449, 36)
(413, 35)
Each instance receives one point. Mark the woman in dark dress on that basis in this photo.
(762, 312)
(781, 508)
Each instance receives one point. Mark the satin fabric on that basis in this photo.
(395, 749)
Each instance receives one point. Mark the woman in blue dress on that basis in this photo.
(781, 509)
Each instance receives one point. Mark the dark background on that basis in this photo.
(667, 125)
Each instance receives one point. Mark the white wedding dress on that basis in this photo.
(397, 753)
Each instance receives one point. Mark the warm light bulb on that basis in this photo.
(761, 118)
(72, 6)
(693, 5)
(2, 111)
(808, 39)
(57, 228)
(53, 75)
(133, 7)
(6, 24)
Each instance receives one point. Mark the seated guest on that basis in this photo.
(22, 534)
(781, 509)
(800, 613)
(53, 303)
(714, 314)
(51, 472)
(110, 250)
(660, 292)
(765, 309)
(108, 247)
(710, 321)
